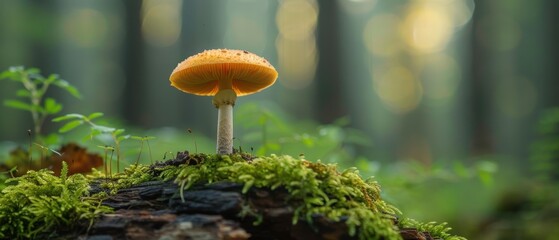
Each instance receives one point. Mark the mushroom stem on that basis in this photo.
(224, 100)
(225, 129)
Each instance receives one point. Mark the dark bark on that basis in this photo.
(155, 210)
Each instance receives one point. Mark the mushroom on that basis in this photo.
(223, 74)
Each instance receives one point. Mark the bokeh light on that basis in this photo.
(420, 79)
(297, 61)
(296, 19)
(398, 88)
(461, 11)
(296, 42)
(161, 24)
(427, 28)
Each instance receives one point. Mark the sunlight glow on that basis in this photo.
(419, 33)
(161, 21)
(297, 61)
(398, 88)
(297, 19)
(427, 28)
(296, 42)
(461, 11)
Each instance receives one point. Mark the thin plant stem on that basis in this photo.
(117, 149)
(111, 163)
(140, 154)
(105, 162)
(149, 150)
(194, 137)
(30, 148)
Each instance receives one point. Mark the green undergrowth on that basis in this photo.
(314, 188)
(439, 230)
(132, 175)
(38, 202)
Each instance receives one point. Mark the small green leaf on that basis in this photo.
(29, 71)
(121, 138)
(68, 116)
(93, 133)
(70, 125)
(23, 93)
(51, 139)
(18, 105)
(5, 74)
(118, 131)
(247, 186)
(273, 146)
(94, 115)
(36, 78)
(51, 78)
(51, 106)
(69, 88)
(74, 91)
(106, 147)
(137, 138)
(103, 129)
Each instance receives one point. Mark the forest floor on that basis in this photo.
(156, 210)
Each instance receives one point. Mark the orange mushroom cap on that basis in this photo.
(209, 72)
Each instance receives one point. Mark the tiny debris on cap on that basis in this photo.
(209, 71)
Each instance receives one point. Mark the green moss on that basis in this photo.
(314, 188)
(132, 175)
(437, 230)
(38, 202)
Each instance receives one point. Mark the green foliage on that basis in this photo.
(436, 230)
(78, 120)
(314, 188)
(34, 89)
(142, 140)
(116, 134)
(38, 202)
(132, 175)
(545, 151)
(541, 198)
(269, 130)
(4, 176)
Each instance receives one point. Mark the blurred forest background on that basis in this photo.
(439, 99)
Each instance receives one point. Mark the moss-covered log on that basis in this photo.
(207, 197)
